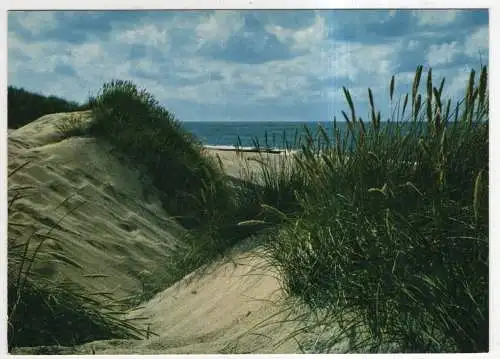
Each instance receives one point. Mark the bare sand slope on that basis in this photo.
(119, 228)
(227, 308)
(97, 206)
(233, 307)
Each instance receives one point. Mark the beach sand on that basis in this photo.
(245, 164)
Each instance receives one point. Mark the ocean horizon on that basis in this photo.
(271, 134)
(279, 135)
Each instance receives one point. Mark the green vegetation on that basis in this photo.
(391, 239)
(380, 230)
(25, 107)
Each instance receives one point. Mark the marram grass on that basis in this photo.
(391, 237)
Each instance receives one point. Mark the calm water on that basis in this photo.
(227, 133)
(278, 133)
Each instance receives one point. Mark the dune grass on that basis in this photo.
(391, 238)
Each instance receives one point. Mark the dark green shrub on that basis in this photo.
(133, 121)
(24, 107)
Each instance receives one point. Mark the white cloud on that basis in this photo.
(477, 43)
(456, 83)
(38, 56)
(219, 26)
(287, 81)
(32, 49)
(327, 59)
(86, 52)
(92, 62)
(443, 54)
(314, 76)
(35, 20)
(145, 34)
(413, 44)
(333, 63)
(435, 17)
(304, 38)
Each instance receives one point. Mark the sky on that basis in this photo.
(253, 65)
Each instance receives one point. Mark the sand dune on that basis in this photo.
(113, 224)
(98, 205)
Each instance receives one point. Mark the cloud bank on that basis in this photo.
(245, 65)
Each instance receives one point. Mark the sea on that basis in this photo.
(271, 135)
(276, 135)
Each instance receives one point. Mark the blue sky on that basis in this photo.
(245, 65)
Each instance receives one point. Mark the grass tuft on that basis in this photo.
(389, 228)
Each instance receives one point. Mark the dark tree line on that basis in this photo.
(24, 107)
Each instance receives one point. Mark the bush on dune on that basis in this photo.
(133, 121)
